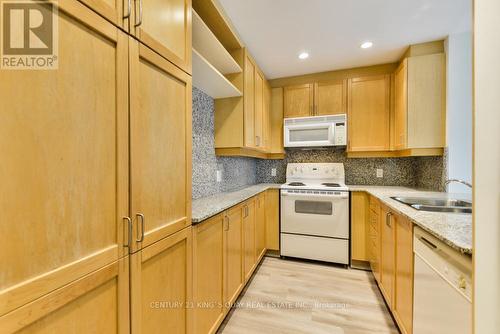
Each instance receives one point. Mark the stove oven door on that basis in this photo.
(325, 215)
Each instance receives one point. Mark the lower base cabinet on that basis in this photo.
(95, 303)
(403, 299)
(249, 238)
(227, 248)
(161, 286)
(273, 219)
(208, 273)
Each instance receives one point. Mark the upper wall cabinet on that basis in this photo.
(420, 102)
(299, 101)
(165, 26)
(368, 113)
(318, 99)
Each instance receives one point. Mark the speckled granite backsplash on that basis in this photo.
(236, 172)
(420, 172)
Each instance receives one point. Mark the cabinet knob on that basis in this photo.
(462, 283)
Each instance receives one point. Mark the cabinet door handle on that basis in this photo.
(140, 15)
(129, 9)
(226, 223)
(257, 140)
(388, 219)
(141, 219)
(129, 230)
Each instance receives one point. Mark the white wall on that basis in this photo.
(486, 213)
(459, 109)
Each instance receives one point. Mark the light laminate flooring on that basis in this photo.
(288, 296)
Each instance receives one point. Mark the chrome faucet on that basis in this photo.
(457, 181)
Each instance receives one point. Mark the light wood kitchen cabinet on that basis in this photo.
(249, 102)
(318, 99)
(299, 101)
(260, 226)
(388, 266)
(249, 257)
(259, 125)
(208, 274)
(233, 254)
(95, 303)
(273, 219)
(160, 146)
(360, 226)
(368, 113)
(161, 285)
(65, 162)
(330, 98)
(165, 26)
(374, 236)
(244, 125)
(420, 102)
(403, 300)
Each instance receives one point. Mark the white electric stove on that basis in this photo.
(315, 212)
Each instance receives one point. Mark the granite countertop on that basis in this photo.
(206, 207)
(454, 229)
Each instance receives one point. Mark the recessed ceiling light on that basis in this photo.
(366, 45)
(304, 55)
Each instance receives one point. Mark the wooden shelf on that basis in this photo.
(205, 42)
(207, 78)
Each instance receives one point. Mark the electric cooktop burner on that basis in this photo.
(296, 184)
(331, 184)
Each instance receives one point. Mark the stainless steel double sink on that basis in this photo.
(436, 204)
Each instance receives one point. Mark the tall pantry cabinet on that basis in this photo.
(96, 180)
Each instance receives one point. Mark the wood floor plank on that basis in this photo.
(303, 297)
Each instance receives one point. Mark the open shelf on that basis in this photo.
(205, 42)
(207, 78)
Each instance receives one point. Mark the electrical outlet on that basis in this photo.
(273, 171)
(380, 172)
(219, 176)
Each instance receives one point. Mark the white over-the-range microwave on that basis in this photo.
(316, 131)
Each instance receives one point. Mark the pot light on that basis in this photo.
(304, 55)
(366, 45)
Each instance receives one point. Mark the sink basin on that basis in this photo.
(436, 204)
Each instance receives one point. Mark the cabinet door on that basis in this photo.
(260, 226)
(267, 117)
(161, 286)
(95, 303)
(259, 109)
(249, 238)
(403, 301)
(359, 226)
(330, 98)
(369, 113)
(165, 26)
(273, 219)
(298, 101)
(208, 274)
(387, 255)
(375, 238)
(401, 105)
(160, 139)
(233, 255)
(118, 12)
(249, 103)
(64, 173)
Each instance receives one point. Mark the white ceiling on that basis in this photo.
(276, 31)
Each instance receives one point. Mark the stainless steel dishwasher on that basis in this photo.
(442, 288)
